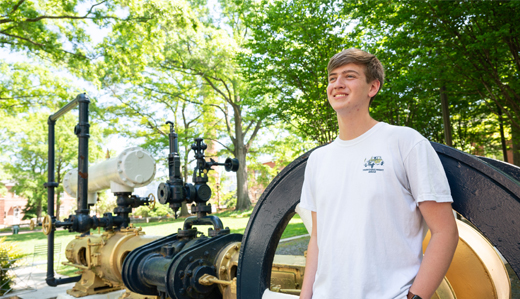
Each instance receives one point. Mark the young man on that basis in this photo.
(372, 192)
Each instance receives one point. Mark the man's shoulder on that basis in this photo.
(321, 151)
(403, 134)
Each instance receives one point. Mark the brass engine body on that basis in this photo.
(100, 258)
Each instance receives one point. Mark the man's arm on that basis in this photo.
(440, 250)
(312, 261)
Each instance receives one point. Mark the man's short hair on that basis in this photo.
(373, 67)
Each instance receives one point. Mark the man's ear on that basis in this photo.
(374, 88)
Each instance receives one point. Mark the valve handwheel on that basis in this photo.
(152, 200)
(47, 225)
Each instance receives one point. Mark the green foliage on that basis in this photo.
(291, 43)
(52, 29)
(26, 145)
(10, 254)
(469, 48)
(157, 211)
(106, 203)
(229, 200)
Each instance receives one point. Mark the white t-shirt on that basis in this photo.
(366, 193)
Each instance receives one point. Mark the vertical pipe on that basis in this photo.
(50, 198)
(82, 131)
(50, 185)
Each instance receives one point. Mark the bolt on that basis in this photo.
(206, 253)
(200, 262)
(188, 273)
(227, 256)
(181, 274)
(190, 259)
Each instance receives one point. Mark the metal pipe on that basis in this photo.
(50, 185)
(65, 109)
(50, 197)
(82, 131)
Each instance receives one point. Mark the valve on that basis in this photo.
(175, 191)
(47, 225)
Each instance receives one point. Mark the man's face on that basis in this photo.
(348, 90)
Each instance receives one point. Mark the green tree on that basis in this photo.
(471, 45)
(289, 48)
(199, 57)
(27, 148)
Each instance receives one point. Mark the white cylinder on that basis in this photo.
(133, 168)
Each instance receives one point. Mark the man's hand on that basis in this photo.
(440, 250)
(312, 261)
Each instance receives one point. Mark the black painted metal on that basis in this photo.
(158, 268)
(265, 227)
(175, 191)
(510, 169)
(82, 131)
(50, 197)
(207, 220)
(130, 271)
(485, 196)
(189, 265)
(50, 185)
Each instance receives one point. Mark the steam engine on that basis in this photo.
(190, 264)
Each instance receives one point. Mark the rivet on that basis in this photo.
(188, 273)
(181, 274)
(190, 259)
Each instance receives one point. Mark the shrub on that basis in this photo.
(229, 199)
(10, 256)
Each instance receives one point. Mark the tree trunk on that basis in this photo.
(446, 116)
(58, 204)
(502, 137)
(243, 201)
(516, 144)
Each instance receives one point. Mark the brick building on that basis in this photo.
(12, 205)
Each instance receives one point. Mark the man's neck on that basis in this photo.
(353, 126)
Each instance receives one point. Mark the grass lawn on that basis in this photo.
(236, 221)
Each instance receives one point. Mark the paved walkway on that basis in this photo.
(30, 284)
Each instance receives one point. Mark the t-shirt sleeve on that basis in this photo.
(426, 174)
(308, 199)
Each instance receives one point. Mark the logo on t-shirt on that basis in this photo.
(372, 163)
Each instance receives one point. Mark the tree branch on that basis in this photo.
(257, 128)
(17, 6)
(225, 146)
